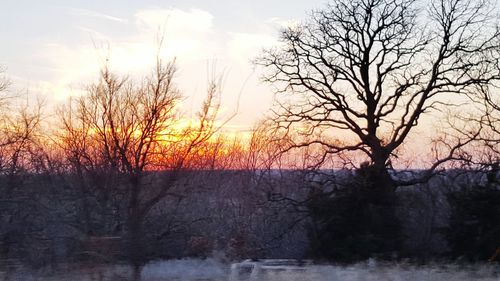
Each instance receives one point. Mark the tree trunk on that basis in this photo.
(134, 245)
(134, 226)
(84, 201)
(136, 272)
(378, 194)
(377, 177)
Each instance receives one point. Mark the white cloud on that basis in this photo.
(283, 23)
(174, 21)
(186, 34)
(93, 34)
(244, 47)
(189, 35)
(94, 14)
(68, 67)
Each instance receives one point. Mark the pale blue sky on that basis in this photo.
(53, 48)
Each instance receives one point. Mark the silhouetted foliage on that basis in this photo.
(474, 228)
(355, 222)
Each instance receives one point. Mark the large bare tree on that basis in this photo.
(370, 70)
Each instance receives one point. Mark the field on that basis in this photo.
(212, 270)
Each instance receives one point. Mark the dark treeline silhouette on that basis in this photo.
(237, 214)
(119, 175)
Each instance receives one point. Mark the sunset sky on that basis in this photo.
(53, 48)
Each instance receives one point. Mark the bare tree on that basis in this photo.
(4, 82)
(121, 131)
(370, 70)
(4, 85)
(473, 135)
(22, 159)
(20, 124)
(488, 136)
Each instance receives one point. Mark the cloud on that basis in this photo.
(67, 68)
(186, 34)
(283, 23)
(94, 34)
(243, 47)
(189, 35)
(186, 37)
(175, 21)
(94, 14)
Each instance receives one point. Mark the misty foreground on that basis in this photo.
(213, 270)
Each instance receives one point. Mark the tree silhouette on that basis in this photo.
(370, 70)
(355, 80)
(122, 130)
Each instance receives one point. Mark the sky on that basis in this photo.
(52, 49)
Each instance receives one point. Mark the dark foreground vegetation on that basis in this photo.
(236, 214)
(119, 175)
